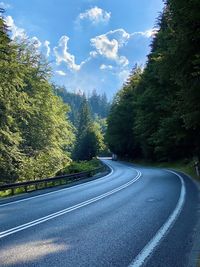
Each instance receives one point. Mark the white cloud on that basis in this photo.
(20, 34)
(47, 46)
(105, 47)
(40, 47)
(95, 15)
(108, 45)
(122, 60)
(5, 5)
(107, 62)
(93, 53)
(120, 35)
(15, 31)
(36, 42)
(61, 73)
(123, 75)
(106, 67)
(62, 55)
(43, 48)
(148, 33)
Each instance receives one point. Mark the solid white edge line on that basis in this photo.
(59, 190)
(69, 209)
(161, 233)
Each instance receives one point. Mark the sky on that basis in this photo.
(90, 44)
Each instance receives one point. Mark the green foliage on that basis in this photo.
(81, 166)
(89, 139)
(35, 133)
(121, 119)
(99, 105)
(161, 116)
(186, 166)
(12, 104)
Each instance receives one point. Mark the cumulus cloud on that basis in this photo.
(120, 35)
(108, 45)
(109, 56)
(93, 53)
(40, 47)
(47, 47)
(148, 33)
(16, 32)
(20, 34)
(62, 55)
(123, 75)
(61, 73)
(122, 60)
(105, 47)
(36, 42)
(95, 15)
(4, 5)
(106, 67)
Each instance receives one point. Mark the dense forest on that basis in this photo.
(35, 133)
(98, 104)
(37, 138)
(156, 115)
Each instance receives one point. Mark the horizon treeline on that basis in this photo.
(98, 104)
(156, 114)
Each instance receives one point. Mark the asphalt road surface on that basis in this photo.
(134, 216)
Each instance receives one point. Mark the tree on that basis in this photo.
(88, 137)
(99, 105)
(35, 133)
(120, 135)
(12, 104)
(164, 112)
(47, 133)
(185, 23)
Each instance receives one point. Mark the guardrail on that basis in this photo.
(52, 181)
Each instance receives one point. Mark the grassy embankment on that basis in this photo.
(186, 167)
(74, 167)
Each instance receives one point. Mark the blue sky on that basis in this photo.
(91, 44)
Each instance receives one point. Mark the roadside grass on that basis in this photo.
(74, 167)
(186, 167)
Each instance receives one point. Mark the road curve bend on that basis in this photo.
(134, 216)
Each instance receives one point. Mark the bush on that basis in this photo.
(81, 166)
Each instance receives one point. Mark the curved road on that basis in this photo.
(134, 216)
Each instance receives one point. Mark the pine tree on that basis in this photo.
(12, 104)
(120, 134)
(88, 138)
(35, 133)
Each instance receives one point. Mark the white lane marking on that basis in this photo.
(59, 190)
(67, 210)
(154, 242)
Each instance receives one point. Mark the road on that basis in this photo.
(134, 216)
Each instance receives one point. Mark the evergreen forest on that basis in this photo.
(156, 114)
(43, 128)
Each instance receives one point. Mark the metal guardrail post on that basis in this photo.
(197, 168)
(12, 191)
